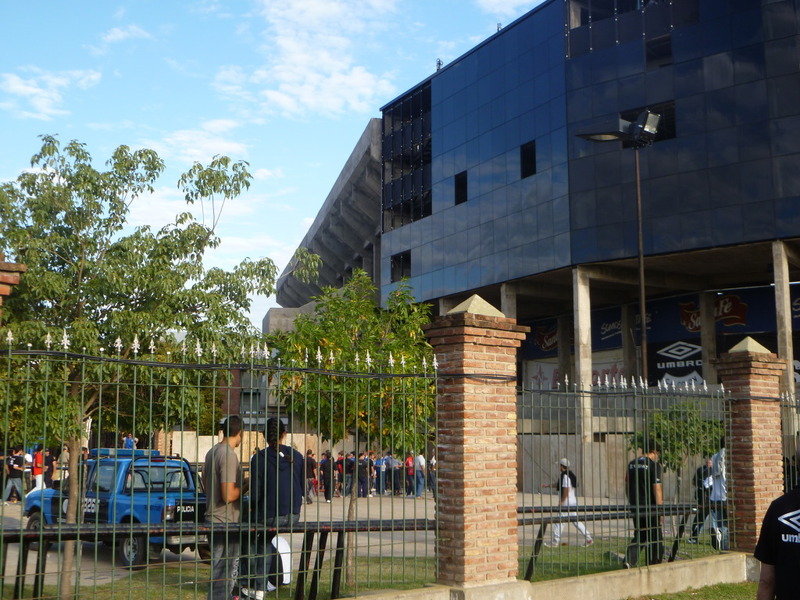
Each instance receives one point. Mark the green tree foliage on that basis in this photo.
(683, 432)
(96, 279)
(350, 332)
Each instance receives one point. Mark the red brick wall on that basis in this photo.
(477, 452)
(754, 449)
(9, 276)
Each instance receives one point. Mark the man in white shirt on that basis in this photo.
(419, 474)
(566, 485)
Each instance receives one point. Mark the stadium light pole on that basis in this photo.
(638, 134)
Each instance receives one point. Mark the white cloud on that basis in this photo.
(201, 144)
(312, 62)
(39, 94)
(116, 35)
(120, 34)
(263, 174)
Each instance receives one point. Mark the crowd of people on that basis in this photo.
(280, 480)
(24, 472)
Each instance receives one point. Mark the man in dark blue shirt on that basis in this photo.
(643, 486)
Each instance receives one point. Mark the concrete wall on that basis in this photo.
(668, 578)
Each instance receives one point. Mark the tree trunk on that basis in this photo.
(74, 488)
(349, 562)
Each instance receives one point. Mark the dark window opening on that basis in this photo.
(527, 159)
(407, 159)
(401, 266)
(658, 52)
(461, 187)
(666, 126)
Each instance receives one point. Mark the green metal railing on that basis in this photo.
(597, 433)
(173, 402)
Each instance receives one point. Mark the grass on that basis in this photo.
(723, 591)
(188, 580)
(604, 555)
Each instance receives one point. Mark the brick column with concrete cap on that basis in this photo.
(752, 374)
(476, 350)
(9, 276)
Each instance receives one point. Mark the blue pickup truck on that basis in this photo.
(130, 486)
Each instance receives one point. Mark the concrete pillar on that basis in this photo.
(583, 350)
(565, 366)
(708, 336)
(477, 419)
(783, 312)
(508, 300)
(446, 305)
(755, 460)
(582, 316)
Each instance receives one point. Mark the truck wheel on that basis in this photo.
(131, 551)
(34, 524)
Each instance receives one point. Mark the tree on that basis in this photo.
(682, 432)
(90, 276)
(350, 332)
(347, 335)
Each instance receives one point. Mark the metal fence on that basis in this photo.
(126, 436)
(590, 437)
(138, 527)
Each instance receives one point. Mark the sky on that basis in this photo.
(286, 85)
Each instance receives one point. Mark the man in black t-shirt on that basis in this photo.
(311, 476)
(778, 548)
(15, 466)
(643, 486)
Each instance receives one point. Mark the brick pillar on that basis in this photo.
(754, 453)
(477, 451)
(9, 276)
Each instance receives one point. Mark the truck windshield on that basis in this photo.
(162, 476)
(101, 479)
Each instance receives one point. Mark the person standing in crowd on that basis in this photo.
(409, 466)
(432, 475)
(28, 471)
(645, 495)
(703, 484)
(222, 479)
(778, 550)
(419, 474)
(15, 467)
(311, 475)
(340, 474)
(719, 499)
(277, 486)
(326, 475)
(63, 463)
(362, 472)
(380, 475)
(37, 468)
(349, 473)
(566, 485)
(49, 468)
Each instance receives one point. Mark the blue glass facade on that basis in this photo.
(726, 69)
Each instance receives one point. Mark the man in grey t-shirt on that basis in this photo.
(222, 479)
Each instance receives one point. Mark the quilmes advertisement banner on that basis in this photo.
(673, 331)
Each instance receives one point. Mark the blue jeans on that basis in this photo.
(420, 477)
(13, 483)
(260, 565)
(224, 553)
